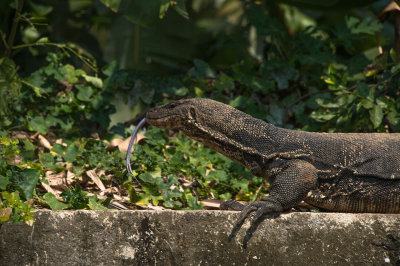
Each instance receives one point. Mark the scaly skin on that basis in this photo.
(342, 172)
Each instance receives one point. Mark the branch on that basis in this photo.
(14, 27)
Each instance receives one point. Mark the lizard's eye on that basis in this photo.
(172, 105)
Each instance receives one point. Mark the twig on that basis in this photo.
(14, 27)
(62, 47)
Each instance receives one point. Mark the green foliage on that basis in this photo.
(53, 202)
(13, 175)
(76, 198)
(12, 208)
(63, 99)
(362, 103)
(170, 176)
(9, 88)
(17, 184)
(276, 62)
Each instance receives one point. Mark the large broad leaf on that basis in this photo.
(26, 181)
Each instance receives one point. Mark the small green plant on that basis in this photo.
(17, 183)
(78, 199)
(12, 208)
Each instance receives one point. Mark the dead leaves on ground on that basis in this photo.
(94, 181)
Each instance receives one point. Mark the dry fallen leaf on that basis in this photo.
(211, 203)
(44, 142)
(19, 135)
(92, 174)
(123, 144)
(51, 190)
(57, 180)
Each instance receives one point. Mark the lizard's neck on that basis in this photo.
(237, 137)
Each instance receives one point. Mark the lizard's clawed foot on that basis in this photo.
(260, 208)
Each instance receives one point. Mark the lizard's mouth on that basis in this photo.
(155, 118)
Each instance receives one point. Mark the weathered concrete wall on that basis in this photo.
(199, 238)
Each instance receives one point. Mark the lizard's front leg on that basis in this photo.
(289, 187)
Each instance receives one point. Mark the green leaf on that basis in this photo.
(4, 181)
(38, 91)
(225, 196)
(322, 116)
(224, 82)
(26, 181)
(382, 102)
(71, 152)
(38, 124)
(47, 160)
(326, 104)
(53, 202)
(393, 118)
(182, 91)
(367, 104)
(363, 89)
(28, 146)
(376, 116)
(68, 74)
(58, 148)
(368, 25)
(94, 204)
(151, 194)
(192, 202)
(393, 55)
(148, 178)
(52, 121)
(84, 93)
(133, 196)
(181, 9)
(76, 198)
(202, 70)
(112, 4)
(95, 81)
(239, 102)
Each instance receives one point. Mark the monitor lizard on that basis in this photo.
(339, 172)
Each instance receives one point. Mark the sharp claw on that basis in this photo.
(243, 215)
(261, 208)
(254, 223)
(259, 213)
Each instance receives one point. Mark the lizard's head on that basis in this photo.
(181, 114)
(217, 125)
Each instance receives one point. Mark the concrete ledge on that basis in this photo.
(199, 238)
